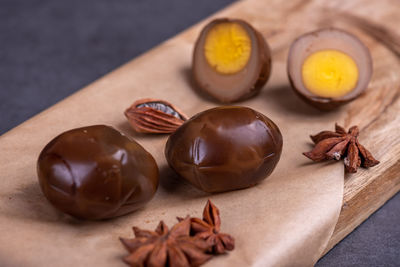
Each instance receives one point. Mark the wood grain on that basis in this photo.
(376, 112)
(367, 190)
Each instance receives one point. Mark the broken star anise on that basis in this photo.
(341, 144)
(166, 248)
(154, 116)
(208, 229)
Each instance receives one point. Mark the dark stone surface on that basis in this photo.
(50, 49)
(376, 242)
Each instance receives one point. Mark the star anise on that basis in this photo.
(154, 116)
(208, 229)
(341, 144)
(166, 248)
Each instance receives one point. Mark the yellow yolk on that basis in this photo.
(227, 47)
(329, 73)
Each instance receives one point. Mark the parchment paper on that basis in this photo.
(286, 220)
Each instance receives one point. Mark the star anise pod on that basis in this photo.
(154, 116)
(166, 248)
(341, 144)
(208, 229)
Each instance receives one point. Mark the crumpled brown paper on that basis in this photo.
(286, 220)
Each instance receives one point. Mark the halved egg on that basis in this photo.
(231, 60)
(329, 67)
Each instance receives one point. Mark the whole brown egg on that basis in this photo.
(225, 148)
(95, 172)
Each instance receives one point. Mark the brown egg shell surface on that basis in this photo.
(95, 172)
(225, 148)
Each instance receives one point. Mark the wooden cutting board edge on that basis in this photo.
(370, 198)
(367, 190)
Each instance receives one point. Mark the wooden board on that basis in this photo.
(376, 112)
(378, 115)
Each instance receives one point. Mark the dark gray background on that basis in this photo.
(49, 49)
